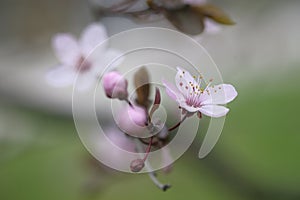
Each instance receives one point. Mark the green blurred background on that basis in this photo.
(257, 156)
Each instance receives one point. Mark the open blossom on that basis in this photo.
(192, 98)
(115, 85)
(74, 58)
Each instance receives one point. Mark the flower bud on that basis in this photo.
(137, 165)
(115, 85)
(132, 120)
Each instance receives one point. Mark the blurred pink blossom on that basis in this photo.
(80, 58)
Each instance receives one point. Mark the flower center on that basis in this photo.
(195, 91)
(193, 100)
(83, 65)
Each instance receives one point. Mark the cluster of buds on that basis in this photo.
(135, 118)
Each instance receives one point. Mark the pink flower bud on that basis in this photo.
(137, 165)
(115, 85)
(132, 120)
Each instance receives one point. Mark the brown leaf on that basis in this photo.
(122, 6)
(167, 4)
(215, 13)
(141, 81)
(187, 20)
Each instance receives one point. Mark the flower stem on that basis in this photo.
(161, 186)
(148, 149)
(151, 173)
(178, 124)
(129, 103)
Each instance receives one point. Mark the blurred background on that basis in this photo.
(256, 157)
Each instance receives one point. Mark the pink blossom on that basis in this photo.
(115, 85)
(116, 140)
(74, 58)
(192, 98)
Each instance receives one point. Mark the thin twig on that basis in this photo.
(178, 124)
(151, 173)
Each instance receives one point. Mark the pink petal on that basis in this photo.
(214, 110)
(93, 35)
(219, 94)
(61, 76)
(66, 48)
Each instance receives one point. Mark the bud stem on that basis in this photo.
(129, 103)
(178, 124)
(161, 186)
(151, 173)
(148, 149)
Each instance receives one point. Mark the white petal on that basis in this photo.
(214, 110)
(186, 75)
(61, 76)
(171, 90)
(92, 36)
(219, 94)
(182, 80)
(66, 48)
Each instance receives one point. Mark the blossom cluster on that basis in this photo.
(84, 61)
